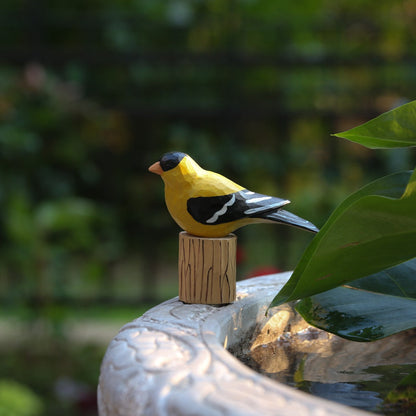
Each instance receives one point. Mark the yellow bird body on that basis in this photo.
(189, 179)
(207, 204)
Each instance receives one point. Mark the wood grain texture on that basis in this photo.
(207, 269)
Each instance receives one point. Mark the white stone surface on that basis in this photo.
(172, 361)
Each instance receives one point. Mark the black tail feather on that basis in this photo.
(287, 217)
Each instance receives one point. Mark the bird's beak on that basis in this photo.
(156, 168)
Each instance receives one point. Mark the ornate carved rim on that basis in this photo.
(172, 361)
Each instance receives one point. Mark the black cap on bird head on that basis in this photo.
(170, 160)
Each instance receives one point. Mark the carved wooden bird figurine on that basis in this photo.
(207, 204)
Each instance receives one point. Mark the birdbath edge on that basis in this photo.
(173, 361)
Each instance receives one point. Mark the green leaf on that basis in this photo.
(372, 230)
(395, 128)
(370, 308)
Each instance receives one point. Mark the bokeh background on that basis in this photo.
(94, 91)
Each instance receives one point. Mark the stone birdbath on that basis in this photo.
(175, 360)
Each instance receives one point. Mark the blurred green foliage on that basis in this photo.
(64, 376)
(18, 400)
(93, 92)
(47, 166)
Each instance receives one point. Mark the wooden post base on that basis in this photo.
(207, 269)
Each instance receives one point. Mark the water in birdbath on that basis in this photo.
(373, 376)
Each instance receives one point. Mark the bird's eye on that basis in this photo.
(171, 160)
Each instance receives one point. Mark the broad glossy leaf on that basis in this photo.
(372, 230)
(368, 309)
(395, 128)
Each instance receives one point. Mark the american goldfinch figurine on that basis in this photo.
(207, 204)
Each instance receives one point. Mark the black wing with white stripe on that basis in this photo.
(226, 208)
